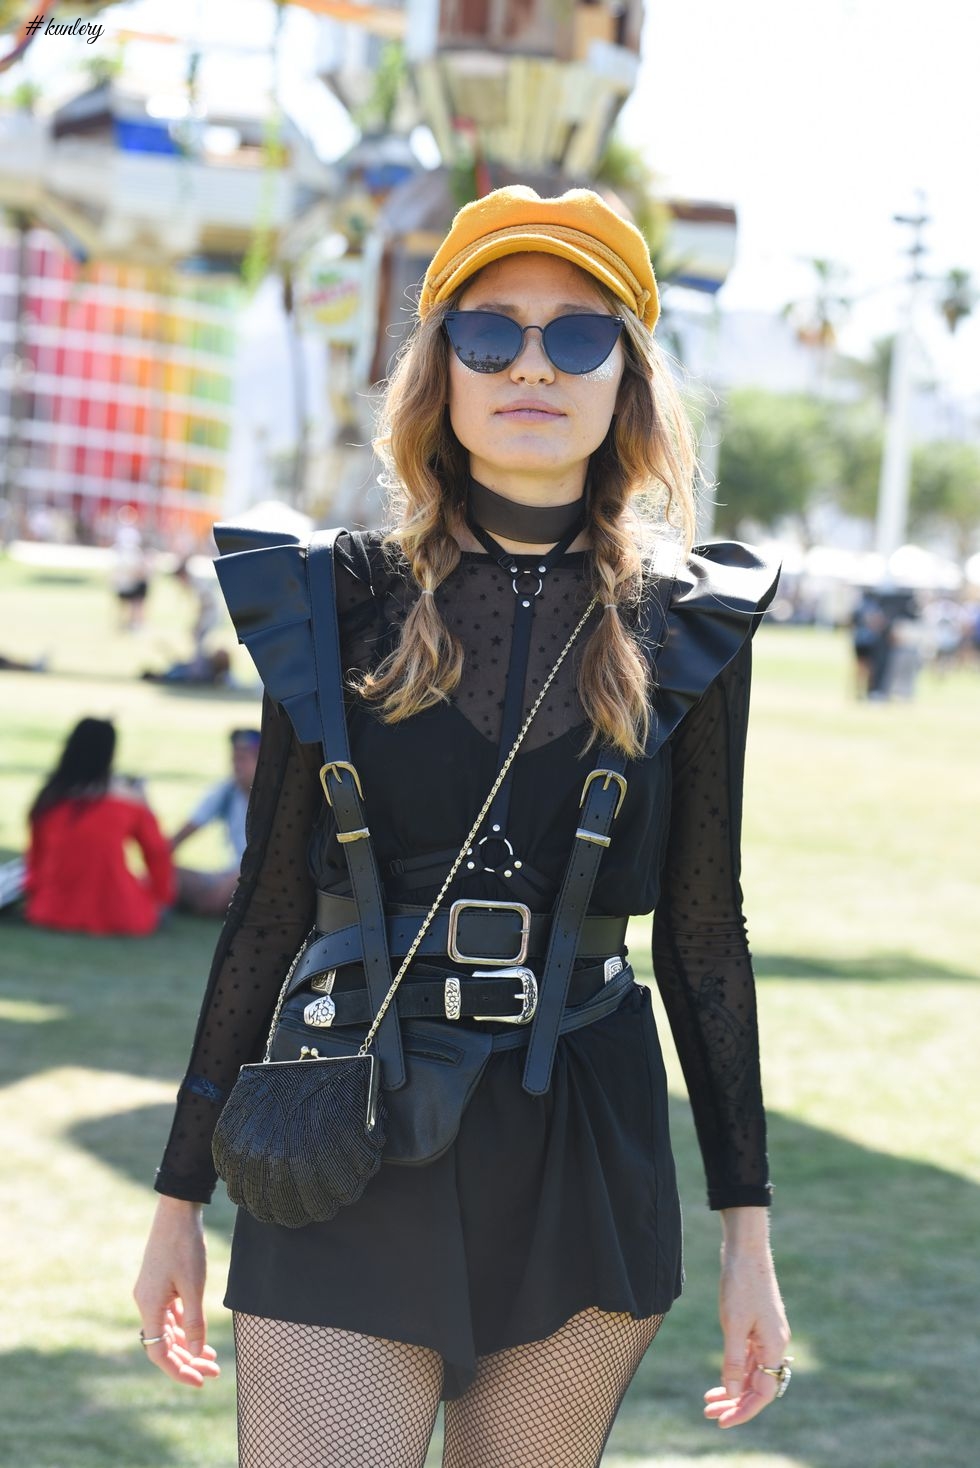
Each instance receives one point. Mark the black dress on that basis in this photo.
(543, 1206)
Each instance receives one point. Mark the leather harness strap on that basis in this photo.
(341, 787)
(602, 796)
(525, 601)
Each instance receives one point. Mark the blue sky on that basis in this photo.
(817, 120)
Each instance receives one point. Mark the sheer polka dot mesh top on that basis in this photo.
(675, 845)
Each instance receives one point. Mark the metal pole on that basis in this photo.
(893, 490)
(12, 459)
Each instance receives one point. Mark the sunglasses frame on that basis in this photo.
(499, 316)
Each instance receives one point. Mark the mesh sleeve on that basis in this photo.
(270, 914)
(701, 956)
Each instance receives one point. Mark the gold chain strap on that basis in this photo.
(473, 831)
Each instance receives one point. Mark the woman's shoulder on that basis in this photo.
(129, 789)
(731, 572)
(712, 573)
(368, 564)
(263, 575)
(95, 805)
(272, 564)
(365, 551)
(698, 612)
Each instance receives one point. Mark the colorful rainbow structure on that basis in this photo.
(125, 388)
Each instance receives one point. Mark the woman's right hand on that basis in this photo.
(170, 1293)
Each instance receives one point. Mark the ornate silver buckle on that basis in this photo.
(460, 907)
(320, 1013)
(527, 993)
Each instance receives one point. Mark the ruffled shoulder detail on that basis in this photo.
(262, 574)
(696, 619)
(704, 611)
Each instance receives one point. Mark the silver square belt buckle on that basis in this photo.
(456, 912)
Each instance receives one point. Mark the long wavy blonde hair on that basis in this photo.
(641, 493)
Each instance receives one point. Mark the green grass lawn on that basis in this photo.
(861, 879)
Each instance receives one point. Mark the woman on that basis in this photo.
(523, 1274)
(78, 877)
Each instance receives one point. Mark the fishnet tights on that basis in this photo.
(310, 1396)
(313, 1397)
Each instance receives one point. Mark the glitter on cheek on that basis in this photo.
(605, 372)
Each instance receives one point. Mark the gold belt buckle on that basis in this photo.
(456, 911)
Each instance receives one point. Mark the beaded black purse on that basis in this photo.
(297, 1140)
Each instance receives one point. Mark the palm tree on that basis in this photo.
(959, 297)
(818, 317)
(376, 114)
(624, 169)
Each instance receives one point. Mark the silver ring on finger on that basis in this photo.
(150, 1340)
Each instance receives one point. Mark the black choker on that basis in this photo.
(528, 524)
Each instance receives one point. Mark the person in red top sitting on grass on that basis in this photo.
(78, 878)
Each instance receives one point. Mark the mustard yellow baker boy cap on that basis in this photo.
(578, 226)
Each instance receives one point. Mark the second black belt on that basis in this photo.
(510, 1000)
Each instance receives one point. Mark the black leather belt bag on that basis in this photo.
(443, 1062)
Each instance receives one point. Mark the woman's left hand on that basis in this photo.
(753, 1321)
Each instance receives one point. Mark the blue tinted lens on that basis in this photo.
(579, 344)
(485, 341)
(482, 340)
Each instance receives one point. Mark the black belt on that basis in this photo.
(507, 995)
(468, 932)
(506, 1001)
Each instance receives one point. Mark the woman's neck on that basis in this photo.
(521, 526)
(468, 542)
